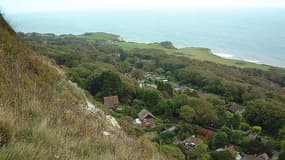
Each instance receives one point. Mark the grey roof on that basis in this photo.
(264, 156)
(144, 113)
(237, 108)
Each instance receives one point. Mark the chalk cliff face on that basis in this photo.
(44, 116)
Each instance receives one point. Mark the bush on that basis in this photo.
(223, 155)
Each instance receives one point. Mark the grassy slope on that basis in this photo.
(203, 54)
(42, 115)
(99, 36)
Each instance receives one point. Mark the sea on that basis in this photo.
(254, 35)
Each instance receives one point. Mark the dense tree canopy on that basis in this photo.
(268, 115)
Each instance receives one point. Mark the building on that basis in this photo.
(263, 156)
(191, 142)
(232, 150)
(235, 108)
(147, 119)
(111, 101)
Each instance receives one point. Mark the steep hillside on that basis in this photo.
(43, 116)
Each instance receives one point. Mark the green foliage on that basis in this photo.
(219, 140)
(108, 83)
(199, 152)
(184, 130)
(167, 44)
(235, 137)
(223, 155)
(244, 126)
(236, 121)
(256, 129)
(151, 97)
(282, 155)
(165, 138)
(205, 111)
(172, 153)
(283, 146)
(269, 116)
(187, 113)
(281, 132)
(188, 76)
(165, 87)
(256, 146)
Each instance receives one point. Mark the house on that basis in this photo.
(235, 108)
(232, 150)
(263, 156)
(191, 142)
(193, 139)
(252, 136)
(146, 118)
(111, 101)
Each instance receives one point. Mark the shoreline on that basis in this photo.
(233, 57)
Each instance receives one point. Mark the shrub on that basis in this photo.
(223, 155)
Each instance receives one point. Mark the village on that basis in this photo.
(149, 122)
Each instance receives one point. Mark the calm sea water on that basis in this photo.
(256, 35)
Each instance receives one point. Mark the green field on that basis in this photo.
(99, 36)
(202, 54)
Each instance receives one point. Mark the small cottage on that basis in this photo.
(191, 142)
(146, 118)
(263, 156)
(111, 101)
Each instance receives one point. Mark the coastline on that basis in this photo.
(233, 57)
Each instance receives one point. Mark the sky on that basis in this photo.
(23, 6)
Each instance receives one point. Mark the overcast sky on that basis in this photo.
(12, 6)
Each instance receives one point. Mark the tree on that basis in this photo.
(108, 83)
(282, 133)
(236, 121)
(283, 146)
(151, 97)
(206, 113)
(187, 113)
(235, 137)
(269, 115)
(199, 152)
(256, 146)
(162, 86)
(256, 129)
(223, 155)
(219, 140)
